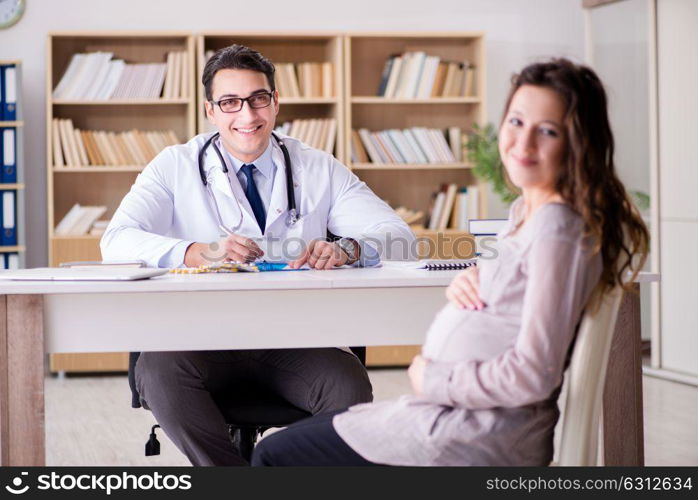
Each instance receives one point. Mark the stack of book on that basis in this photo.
(80, 220)
(94, 76)
(81, 148)
(415, 75)
(319, 133)
(452, 207)
(417, 145)
(306, 79)
(409, 216)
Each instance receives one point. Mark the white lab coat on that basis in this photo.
(168, 207)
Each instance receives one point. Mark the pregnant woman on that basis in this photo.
(485, 387)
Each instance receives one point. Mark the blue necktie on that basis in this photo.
(254, 198)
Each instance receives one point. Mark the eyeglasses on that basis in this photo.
(234, 104)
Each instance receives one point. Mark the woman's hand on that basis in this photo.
(464, 290)
(416, 374)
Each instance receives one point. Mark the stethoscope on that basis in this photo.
(293, 215)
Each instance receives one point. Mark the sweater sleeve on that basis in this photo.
(559, 281)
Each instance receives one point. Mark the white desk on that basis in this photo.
(384, 306)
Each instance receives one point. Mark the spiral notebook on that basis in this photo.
(432, 264)
(445, 265)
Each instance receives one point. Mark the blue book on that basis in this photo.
(9, 93)
(9, 219)
(2, 93)
(8, 149)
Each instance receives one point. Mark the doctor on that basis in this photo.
(235, 193)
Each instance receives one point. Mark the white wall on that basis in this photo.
(518, 31)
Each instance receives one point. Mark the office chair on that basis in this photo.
(581, 436)
(248, 414)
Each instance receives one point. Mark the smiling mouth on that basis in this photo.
(248, 131)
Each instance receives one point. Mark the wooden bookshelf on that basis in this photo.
(412, 185)
(364, 58)
(105, 185)
(287, 48)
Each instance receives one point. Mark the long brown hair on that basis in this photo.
(587, 180)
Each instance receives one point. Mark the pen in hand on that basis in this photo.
(251, 250)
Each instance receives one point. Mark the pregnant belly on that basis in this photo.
(465, 335)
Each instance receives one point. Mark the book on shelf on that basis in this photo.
(415, 145)
(83, 148)
(319, 133)
(453, 206)
(307, 79)
(79, 220)
(8, 92)
(95, 76)
(409, 216)
(418, 75)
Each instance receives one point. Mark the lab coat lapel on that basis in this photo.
(225, 198)
(278, 205)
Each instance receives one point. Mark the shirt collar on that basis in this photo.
(263, 163)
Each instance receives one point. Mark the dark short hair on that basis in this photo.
(236, 57)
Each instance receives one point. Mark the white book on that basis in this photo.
(177, 83)
(101, 67)
(403, 77)
(415, 75)
(368, 146)
(455, 142)
(70, 73)
(82, 152)
(72, 145)
(331, 136)
(448, 206)
(169, 76)
(91, 67)
(116, 67)
(393, 78)
(65, 226)
(426, 82)
(382, 151)
(124, 80)
(425, 144)
(56, 139)
(436, 212)
(403, 146)
(414, 144)
(88, 215)
(392, 147)
(442, 145)
(69, 91)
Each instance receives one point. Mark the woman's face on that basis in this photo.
(532, 141)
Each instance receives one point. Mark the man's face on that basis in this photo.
(245, 133)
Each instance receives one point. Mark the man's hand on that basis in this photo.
(416, 374)
(233, 247)
(464, 290)
(321, 254)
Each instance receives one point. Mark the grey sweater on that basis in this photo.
(493, 376)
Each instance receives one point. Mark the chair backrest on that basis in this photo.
(581, 398)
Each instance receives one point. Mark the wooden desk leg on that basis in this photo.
(622, 400)
(22, 439)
